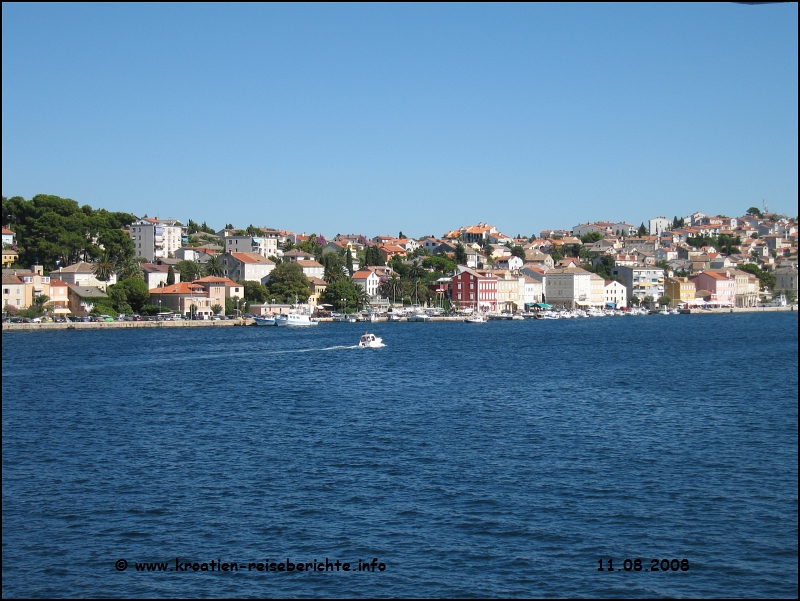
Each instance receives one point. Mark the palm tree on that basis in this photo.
(333, 274)
(362, 298)
(104, 267)
(393, 286)
(129, 268)
(39, 301)
(214, 267)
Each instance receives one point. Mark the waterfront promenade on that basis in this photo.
(250, 322)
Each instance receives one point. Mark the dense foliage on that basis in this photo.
(287, 282)
(52, 231)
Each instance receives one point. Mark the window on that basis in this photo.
(6, 290)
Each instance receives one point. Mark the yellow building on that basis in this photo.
(679, 290)
(317, 286)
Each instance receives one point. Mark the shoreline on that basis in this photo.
(40, 327)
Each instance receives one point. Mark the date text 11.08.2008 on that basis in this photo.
(640, 565)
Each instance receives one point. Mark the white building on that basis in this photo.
(624, 229)
(641, 281)
(311, 269)
(8, 237)
(531, 290)
(368, 280)
(156, 275)
(245, 267)
(659, 225)
(568, 286)
(263, 245)
(586, 228)
(82, 274)
(615, 293)
(156, 238)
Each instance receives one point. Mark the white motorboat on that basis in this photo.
(370, 341)
(664, 311)
(476, 319)
(265, 321)
(517, 317)
(294, 319)
(419, 317)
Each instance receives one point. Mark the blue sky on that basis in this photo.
(378, 118)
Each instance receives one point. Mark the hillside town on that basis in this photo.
(155, 266)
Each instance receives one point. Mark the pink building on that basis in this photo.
(722, 286)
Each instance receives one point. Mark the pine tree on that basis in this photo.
(170, 276)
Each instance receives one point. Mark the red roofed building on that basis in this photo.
(368, 280)
(390, 250)
(187, 298)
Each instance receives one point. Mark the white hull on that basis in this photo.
(294, 320)
(265, 321)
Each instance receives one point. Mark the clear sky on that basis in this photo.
(422, 118)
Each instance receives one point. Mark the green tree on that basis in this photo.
(170, 276)
(339, 289)
(39, 302)
(149, 310)
(664, 300)
(518, 251)
(214, 267)
(755, 211)
(765, 279)
(104, 268)
(132, 291)
(287, 282)
(392, 287)
(460, 254)
(127, 267)
(362, 298)
(642, 231)
(373, 256)
(440, 265)
(256, 292)
(591, 237)
(216, 308)
(348, 261)
(189, 270)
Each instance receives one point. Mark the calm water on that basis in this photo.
(502, 459)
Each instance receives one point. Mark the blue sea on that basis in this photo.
(509, 459)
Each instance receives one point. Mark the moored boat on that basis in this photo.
(294, 319)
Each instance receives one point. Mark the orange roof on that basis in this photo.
(7, 231)
(363, 274)
(210, 279)
(57, 282)
(181, 288)
(251, 258)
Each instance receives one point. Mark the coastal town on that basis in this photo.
(133, 268)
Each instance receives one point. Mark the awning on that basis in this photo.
(544, 305)
(61, 310)
(611, 304)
